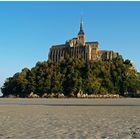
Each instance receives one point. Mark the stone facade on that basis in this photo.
(79, 48)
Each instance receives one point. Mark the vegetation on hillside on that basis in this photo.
(73, 75)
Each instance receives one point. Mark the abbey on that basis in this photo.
(79, 48)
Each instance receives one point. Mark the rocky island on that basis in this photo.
(76, 69)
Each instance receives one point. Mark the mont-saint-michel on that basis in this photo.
(76, 69)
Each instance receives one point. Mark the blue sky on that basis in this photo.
(28, 29)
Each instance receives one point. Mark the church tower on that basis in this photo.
(81, 35)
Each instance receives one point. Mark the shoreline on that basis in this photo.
(70, 98)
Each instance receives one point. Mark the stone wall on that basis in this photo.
(85, 52)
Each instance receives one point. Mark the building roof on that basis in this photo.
(57, 46)
(64, 45)
(96, 42)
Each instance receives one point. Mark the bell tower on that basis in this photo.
(81, 35)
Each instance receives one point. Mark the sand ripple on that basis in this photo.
(38, 118)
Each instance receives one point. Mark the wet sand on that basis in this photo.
(70, 118)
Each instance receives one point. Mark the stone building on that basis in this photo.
(79, 48)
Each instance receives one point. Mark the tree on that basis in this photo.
(73, 75)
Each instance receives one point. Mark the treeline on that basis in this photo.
(73, 75)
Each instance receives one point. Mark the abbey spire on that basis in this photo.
(81, 34)
(81, 28)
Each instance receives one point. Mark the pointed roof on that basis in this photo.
(81, 28)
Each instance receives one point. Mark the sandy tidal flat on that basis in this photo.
(70, 118)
